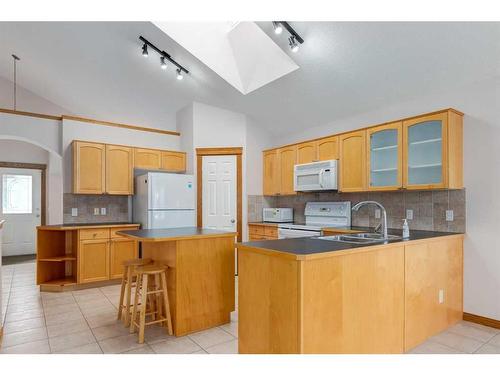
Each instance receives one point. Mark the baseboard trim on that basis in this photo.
(482, 320)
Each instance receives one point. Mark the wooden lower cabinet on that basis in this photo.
(93, 260)
(119, 251)
(259, 232)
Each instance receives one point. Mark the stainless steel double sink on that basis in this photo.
(360, 238)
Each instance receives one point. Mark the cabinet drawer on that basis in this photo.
(114, 230)
(94, 234)
(256, 230)
(256, 237)
(271, 232)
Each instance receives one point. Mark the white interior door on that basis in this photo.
(219, 192)
(20, 206)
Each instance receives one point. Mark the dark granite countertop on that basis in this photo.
(173, 234)
(313, 245)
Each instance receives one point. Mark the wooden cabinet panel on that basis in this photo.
(270, 173)
(352, 161)
(173, 161)
(94, 234)
(93, 260)
(384, 148)
(431, 267)
(287, 157)
(307, 152)
(119, 170)
(328, 148)
(147, 158)
(121, 250)
(88, 168)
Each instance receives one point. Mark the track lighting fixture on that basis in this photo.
(293, 38)
(278, 29)
(293, 44)
(164, 57)
(179, 74)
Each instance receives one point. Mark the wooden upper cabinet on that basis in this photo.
(173, 161)
(287, 157)
(328, 148)
(307, 152)
(119, 170)
(271, 175)
(433, 155)
(352, 169)
(89, 167)
(147, 158)
(385, 157)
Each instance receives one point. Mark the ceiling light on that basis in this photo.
(278, 29)
(179, 74)
(163, 63)
(145, 50)
(293, 44)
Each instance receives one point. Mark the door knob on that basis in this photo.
(232, 220)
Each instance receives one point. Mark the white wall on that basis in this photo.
(185, 126)
(480, 103)
(257, 139)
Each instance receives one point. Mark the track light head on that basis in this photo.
(163, 63)
(145, 50)
(179, 74)
(293, 44)
(278, 29)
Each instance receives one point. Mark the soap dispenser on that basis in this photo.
(406, 229)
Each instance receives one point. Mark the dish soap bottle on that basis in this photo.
(406, 229)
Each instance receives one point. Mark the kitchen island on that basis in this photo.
(200, 276)
(307, 295)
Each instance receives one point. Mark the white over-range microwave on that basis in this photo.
(317, 176)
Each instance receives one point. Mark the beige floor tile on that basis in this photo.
(24, 300)
(70, 341)
(92, 348)
(60, 309)
(35, 347)
(46, 296)
(86, 292)
(101, 320)
(58, 301)
(430, 347)
(109, 331)
(231, 328)
(99, 310)
(120, 344)
(111, 289)
(230, 347)
(488, 349)
(211, 337)
(458, 342)
(474, 331)
(23, 315)
(200, 352)
(25, 306)
(146, 349)
(63, 318)
(179, 345)
(91, 299)
(23, 337)
(495, 340)
(67, 328)
(156, 333)
(24, 325)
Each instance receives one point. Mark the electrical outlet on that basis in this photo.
(409, 214)
(377, 213)
(441, 296)
(103, 210)
(74, 211)
(449, 215)
(96, 211)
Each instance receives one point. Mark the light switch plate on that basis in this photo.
(409, 214)
(449, 215)
(377, 213)
(74, 211)
(103, 210)
(96, 211)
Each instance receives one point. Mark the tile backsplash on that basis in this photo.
(116, 208)
(429, 207)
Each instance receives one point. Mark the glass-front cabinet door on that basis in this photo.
(384, 144)
(425, 152)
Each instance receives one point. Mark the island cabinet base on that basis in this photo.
(200, 280)
(377, 299)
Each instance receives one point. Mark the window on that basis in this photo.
(16, 194)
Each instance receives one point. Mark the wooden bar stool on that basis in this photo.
(129, 280)
(151, 291)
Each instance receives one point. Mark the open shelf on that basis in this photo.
(62, 258)
(70, 280)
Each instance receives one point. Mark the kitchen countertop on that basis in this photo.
(174, 234)
(311, 245)
(87, 225)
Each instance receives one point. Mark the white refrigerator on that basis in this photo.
(164, 200)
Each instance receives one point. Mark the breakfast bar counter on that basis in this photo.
(200, 277)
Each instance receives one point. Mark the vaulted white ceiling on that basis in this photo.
(96, 69)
